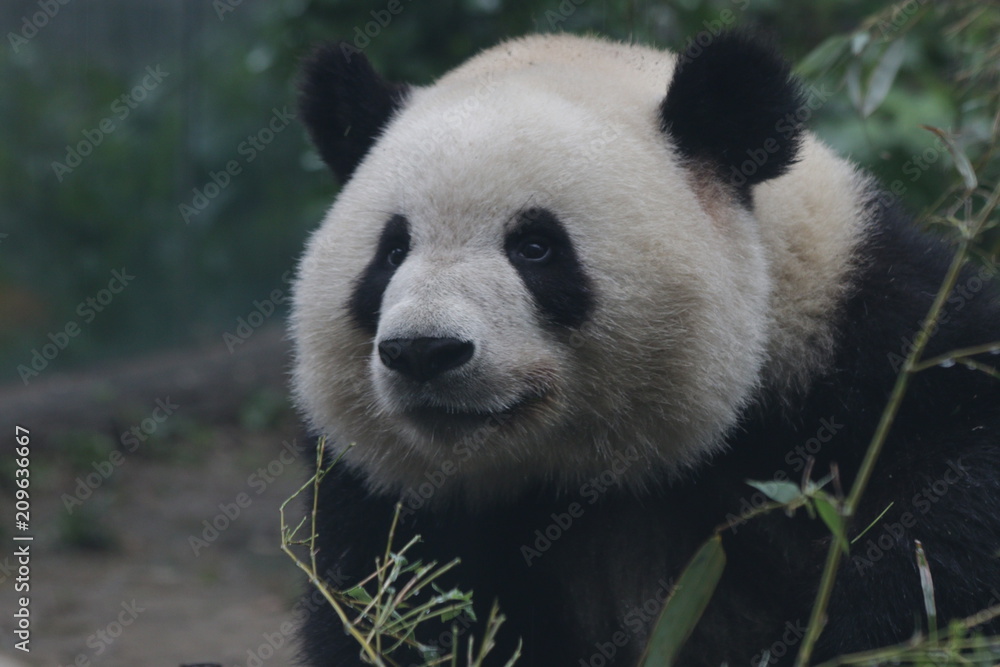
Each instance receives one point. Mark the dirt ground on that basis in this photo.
(118, 582)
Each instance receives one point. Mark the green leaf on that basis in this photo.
(781, 492)
(359, 593)
(859, 41)
(823, 58)
(881, 79)
(927, 586)
(685, 605)
(872, 524)
(962, 163)
(833, 520)
(454, 595)
(812, 487)
(853, 81)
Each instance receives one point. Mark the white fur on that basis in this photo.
(698, 301)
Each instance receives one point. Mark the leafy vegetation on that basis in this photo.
(899, 85)
(384, 611)
(877, 72)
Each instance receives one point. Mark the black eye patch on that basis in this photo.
(543, 254)
(366, 299)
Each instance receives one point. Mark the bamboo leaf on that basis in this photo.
(853, 81)
(927, 586)
(685, 605)
(833, 520)
(872, 524)
(823, 57)
(859, 41)
(961, 161)
(882, 77)
(781, 492)
(359, 593)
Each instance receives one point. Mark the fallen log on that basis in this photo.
(210, 384)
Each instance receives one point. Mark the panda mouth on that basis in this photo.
(445, 416)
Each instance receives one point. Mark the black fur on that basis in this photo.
(732, 105)
(366, 299)
(557, 281)
(940, 469)
(345, 104)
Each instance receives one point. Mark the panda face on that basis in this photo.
(525, 282)
(437, 319)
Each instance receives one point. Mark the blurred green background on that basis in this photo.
(155, 196)
(224, 68)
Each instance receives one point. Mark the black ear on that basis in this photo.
(344, 104)
(732, 104)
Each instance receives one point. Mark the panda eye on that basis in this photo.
(396, 255)
(534, 248)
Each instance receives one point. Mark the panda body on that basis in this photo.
(595, 286)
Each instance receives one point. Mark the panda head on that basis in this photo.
(542, 267)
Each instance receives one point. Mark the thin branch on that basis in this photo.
(817, 619)
(955, 355)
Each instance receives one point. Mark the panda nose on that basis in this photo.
(423, 359)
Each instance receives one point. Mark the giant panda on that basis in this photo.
(572, 296)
